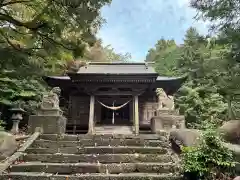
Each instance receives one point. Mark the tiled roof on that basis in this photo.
(117, 68)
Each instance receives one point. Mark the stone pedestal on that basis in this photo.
(15, 127)
(50, 120)
(50, 112)
(166, 122)
(50, 124)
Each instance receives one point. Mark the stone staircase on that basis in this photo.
(96, 157)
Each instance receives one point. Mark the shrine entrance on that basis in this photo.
(115, 117)
(114, 110)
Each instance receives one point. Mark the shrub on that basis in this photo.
(210, 159)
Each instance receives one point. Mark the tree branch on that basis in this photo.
(13, 29)
(13, 2)
(51, 40)
(28, 51)
(9, 42)
(32, 25)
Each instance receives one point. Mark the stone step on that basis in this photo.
(83, 168)
(113, 129)
(100, 142)
(99, 150)
(68, 137)
(94, 158)
(128, 176)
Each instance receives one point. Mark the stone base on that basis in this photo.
(166, 111)
(167, 122)
(49, 123)
(49, 112)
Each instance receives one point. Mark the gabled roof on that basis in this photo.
(118, 69)
(121, 72)
(169, 84)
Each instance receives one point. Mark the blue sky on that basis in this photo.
(134, 26)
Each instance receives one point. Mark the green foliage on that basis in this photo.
(112, 56)
(39, 37)
(164, 56)
(210, 159)
(2, 124)
(224, 18)
(210, 92)
(200, 107)
(15, 90)
(102, 53)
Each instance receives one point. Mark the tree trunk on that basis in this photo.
(230, 111)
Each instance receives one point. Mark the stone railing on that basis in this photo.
(20, 152)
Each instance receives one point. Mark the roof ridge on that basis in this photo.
(119, 63)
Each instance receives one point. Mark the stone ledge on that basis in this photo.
(68, 137)
(129, 176)
(94, 158)
(99, 150)
(113, 168)
(100, 142)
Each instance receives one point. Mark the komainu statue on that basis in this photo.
(165, 101)
(51, 100)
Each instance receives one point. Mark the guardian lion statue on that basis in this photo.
(51, 100)
(165, 101)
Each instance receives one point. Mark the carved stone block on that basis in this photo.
(49, 123)
(167, 122)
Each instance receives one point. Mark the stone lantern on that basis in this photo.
(17, 116)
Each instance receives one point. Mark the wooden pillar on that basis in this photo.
(91, 115)
(136, 115)
(133, 112)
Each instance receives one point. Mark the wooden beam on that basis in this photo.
(91, 115)
(114, 93)
(136, 115)
(95, 86)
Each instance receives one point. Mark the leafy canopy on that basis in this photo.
(39, 37)
(204, 96)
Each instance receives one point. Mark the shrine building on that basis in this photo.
(111, 94)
